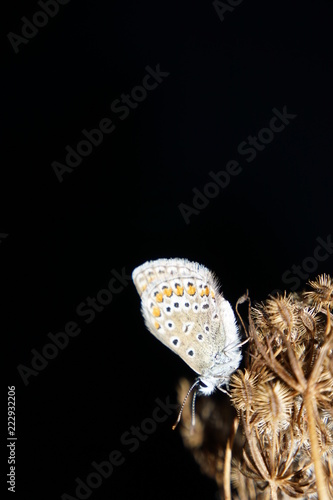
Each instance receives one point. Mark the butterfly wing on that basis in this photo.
(183, 308)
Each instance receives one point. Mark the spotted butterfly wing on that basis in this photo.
(183, 308)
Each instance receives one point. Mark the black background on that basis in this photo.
(119, 208)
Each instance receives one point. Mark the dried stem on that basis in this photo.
(227, 461)
(309, 399)
(273, 491)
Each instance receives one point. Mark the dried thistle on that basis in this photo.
(283, 447)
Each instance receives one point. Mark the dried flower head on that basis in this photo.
(274, 402)
(282, 438)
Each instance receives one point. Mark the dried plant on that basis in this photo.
(278, 443)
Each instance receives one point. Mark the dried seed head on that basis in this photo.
(305, 323)
(324, 390)
(300, 350)
(245, 486)
(273, 406)
(242, 385)
(281, 313)
(322, 292)
(258, 315)
(325, 438)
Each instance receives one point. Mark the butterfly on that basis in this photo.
(184, 309)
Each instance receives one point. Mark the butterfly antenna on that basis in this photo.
(184, 402)
(193, 408)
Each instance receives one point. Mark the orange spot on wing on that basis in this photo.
(212, 294)
(191, 290)
(159, 297)
(157, 325)
(167, 292)
(180, 290)
(156, 312)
